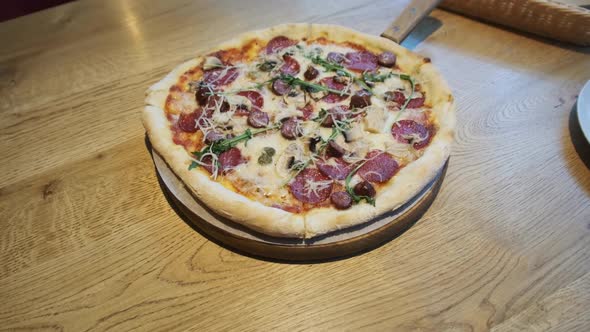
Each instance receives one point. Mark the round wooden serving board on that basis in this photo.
(337, 244)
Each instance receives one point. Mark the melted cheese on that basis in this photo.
(376, 120)
(402, 152)
(183, 102)
(268, 182)
(221, 118)
(263, 178)
(390, 84)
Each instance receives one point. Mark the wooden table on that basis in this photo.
(89, 242)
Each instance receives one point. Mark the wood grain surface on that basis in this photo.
(89, 242)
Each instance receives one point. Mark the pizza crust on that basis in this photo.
(277, 222)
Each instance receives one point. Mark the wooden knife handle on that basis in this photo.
(407, 20)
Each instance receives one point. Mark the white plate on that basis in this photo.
(583, 107)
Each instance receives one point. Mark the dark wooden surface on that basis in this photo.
(10, 9)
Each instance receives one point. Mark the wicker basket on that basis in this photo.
(541, 17)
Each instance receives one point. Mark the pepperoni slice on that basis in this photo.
(360, 99)
(213, 136)
(291, 66)
(278, 43)
(339, 112)
(399, 98)
(311, 186)
(307, 111)
(332, 84)
(411, 132)
(280, 87)
(395, 96)
(337, 170)
(333, 98)
(230, 159)
(255, 98)
(386, 59)
(341, 200)
(335, 57)
(188, 122)
(208, 164)
(379, 168)
(289, 128)
(227, 160)
(361, 61)
(416, 102)
(258, 119)
(220, 76)
(217, 101)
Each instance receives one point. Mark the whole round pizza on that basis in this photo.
(303, 129)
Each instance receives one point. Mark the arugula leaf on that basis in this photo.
(356, 198)
(321, 116)
(256, 86)
(339, 127)
(223, 145)
(405, 77)
(405, 105)
(364, 85)
(340, 70)
(330, 66)
(193, 164)
(297, 167)
(292, 81)
(370, 77)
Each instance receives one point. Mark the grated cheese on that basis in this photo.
(369, 130)
(312, 187)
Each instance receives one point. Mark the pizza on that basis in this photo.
(302, 129)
